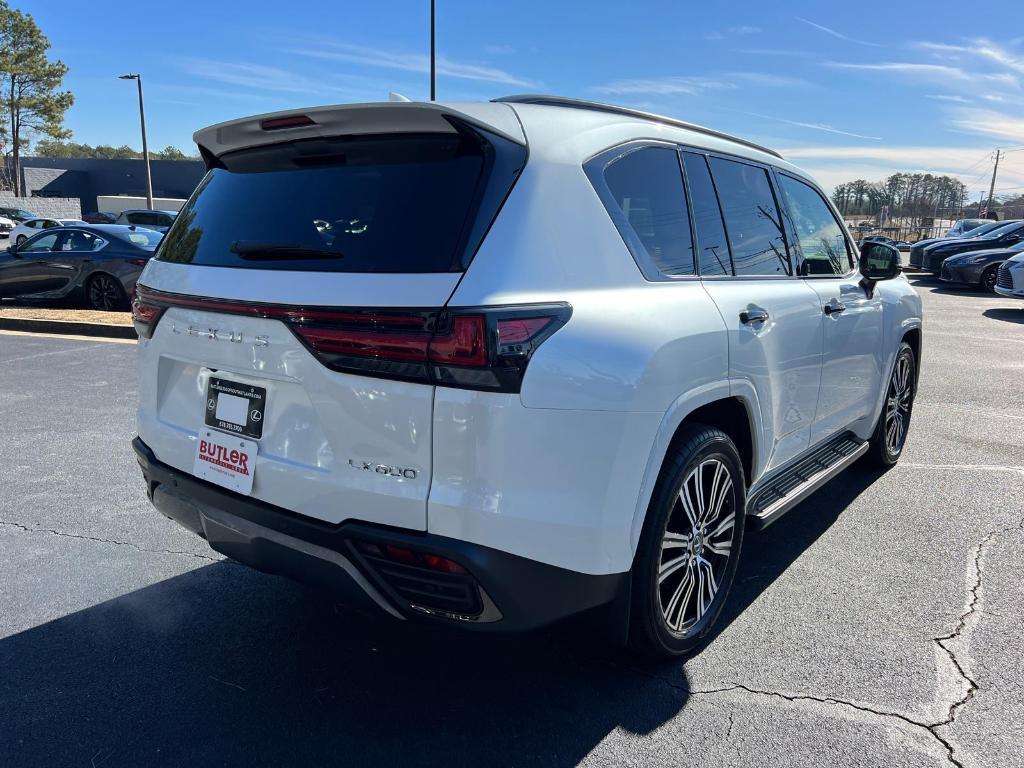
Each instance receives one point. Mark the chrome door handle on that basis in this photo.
(834, 307)
(749, 316)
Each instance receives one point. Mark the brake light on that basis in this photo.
(145, 316)
(485, 348)
(410, 557)
(291, 121)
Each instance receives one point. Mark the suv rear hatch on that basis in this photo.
(292, 325)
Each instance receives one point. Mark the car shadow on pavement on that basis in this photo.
(225, 666)
(1006, 314)
(768, 553)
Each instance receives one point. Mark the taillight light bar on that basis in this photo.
(486, 348)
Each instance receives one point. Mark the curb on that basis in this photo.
(68, 328)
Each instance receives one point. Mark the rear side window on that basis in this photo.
(403, 203)
(823, 243)
(707, 217)
(752, 219)
(648, 188)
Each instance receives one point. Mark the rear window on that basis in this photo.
(144, 238)
(398, 203)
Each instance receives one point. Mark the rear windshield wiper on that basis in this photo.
(250, 249)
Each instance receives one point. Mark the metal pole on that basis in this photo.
(433, 90)
(992, 186)
(145, 147)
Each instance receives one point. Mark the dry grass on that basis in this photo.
(78, 315)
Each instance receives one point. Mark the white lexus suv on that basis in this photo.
(498, 364)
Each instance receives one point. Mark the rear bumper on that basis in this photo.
(505, 592)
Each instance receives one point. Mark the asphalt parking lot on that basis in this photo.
(879, 623)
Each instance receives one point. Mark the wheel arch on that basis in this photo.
(716, 406)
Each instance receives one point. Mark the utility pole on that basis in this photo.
(433, 90)
(992, 186)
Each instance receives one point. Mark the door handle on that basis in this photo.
(749, 316)
(834, 307)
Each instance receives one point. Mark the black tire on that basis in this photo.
(105, 293)
(20, 239)
(885, 447)
(704, 450)
(988, 279)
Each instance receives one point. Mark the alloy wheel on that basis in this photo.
(988, 280)
(696, 546)
(897, 406)
(104, 293)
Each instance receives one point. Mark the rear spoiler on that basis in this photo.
(353, 119)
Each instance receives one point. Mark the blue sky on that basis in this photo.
(845, 90)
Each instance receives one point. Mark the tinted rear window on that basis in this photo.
(648, 187)
(370, 204)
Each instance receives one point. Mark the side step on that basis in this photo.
(791, 486)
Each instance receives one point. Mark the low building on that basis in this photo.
(90, 178)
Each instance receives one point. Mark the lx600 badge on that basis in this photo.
(384, 469)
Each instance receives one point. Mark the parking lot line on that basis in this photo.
(964, 467)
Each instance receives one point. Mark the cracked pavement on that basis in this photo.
(877, 624)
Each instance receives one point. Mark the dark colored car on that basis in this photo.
(979, 268)
(17, 214)
(158, 220)
(917, 249)
(98, 263)
(99, 217)
(1011, 233)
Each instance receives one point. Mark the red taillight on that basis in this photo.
(442, 564)
(520, 329)
(464, 344)
(381, 345)
(291, 121)
(401, 554)
(479, 348)
(145, 316)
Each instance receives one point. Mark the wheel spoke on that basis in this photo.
(668, 568)
(684, 497)
(679, 600)
(699, 496)
(672, 540)
(723, 526)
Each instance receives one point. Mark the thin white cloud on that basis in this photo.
(906, 67)
(815, 126)
(499, 50)
(663, 86)
(772, 52)
(834, 33)
(947, 97)
(835, 165)
(767, 80)
(988, 122)
(739, 31)
(410, 62)
(259, 77)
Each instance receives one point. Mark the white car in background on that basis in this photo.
(1010, 279)
(6, 225)
(30, 227)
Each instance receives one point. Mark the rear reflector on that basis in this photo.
(291, 121)
(486, 348)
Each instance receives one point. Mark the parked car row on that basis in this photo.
(974, 259)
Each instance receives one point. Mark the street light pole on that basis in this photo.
(433, 70)
(145, 145)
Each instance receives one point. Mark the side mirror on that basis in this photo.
(878, 261)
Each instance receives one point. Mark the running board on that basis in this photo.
(793, 485)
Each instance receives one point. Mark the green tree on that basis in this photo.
(170, 153)
(30, 96)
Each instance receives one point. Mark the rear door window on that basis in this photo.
(707, 217)
(648, 188)
(752, 219)
(394, 204)
(822, 241)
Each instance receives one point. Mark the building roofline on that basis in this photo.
(562, 101)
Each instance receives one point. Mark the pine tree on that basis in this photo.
(30, 97)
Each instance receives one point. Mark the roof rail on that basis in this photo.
(562, 101)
